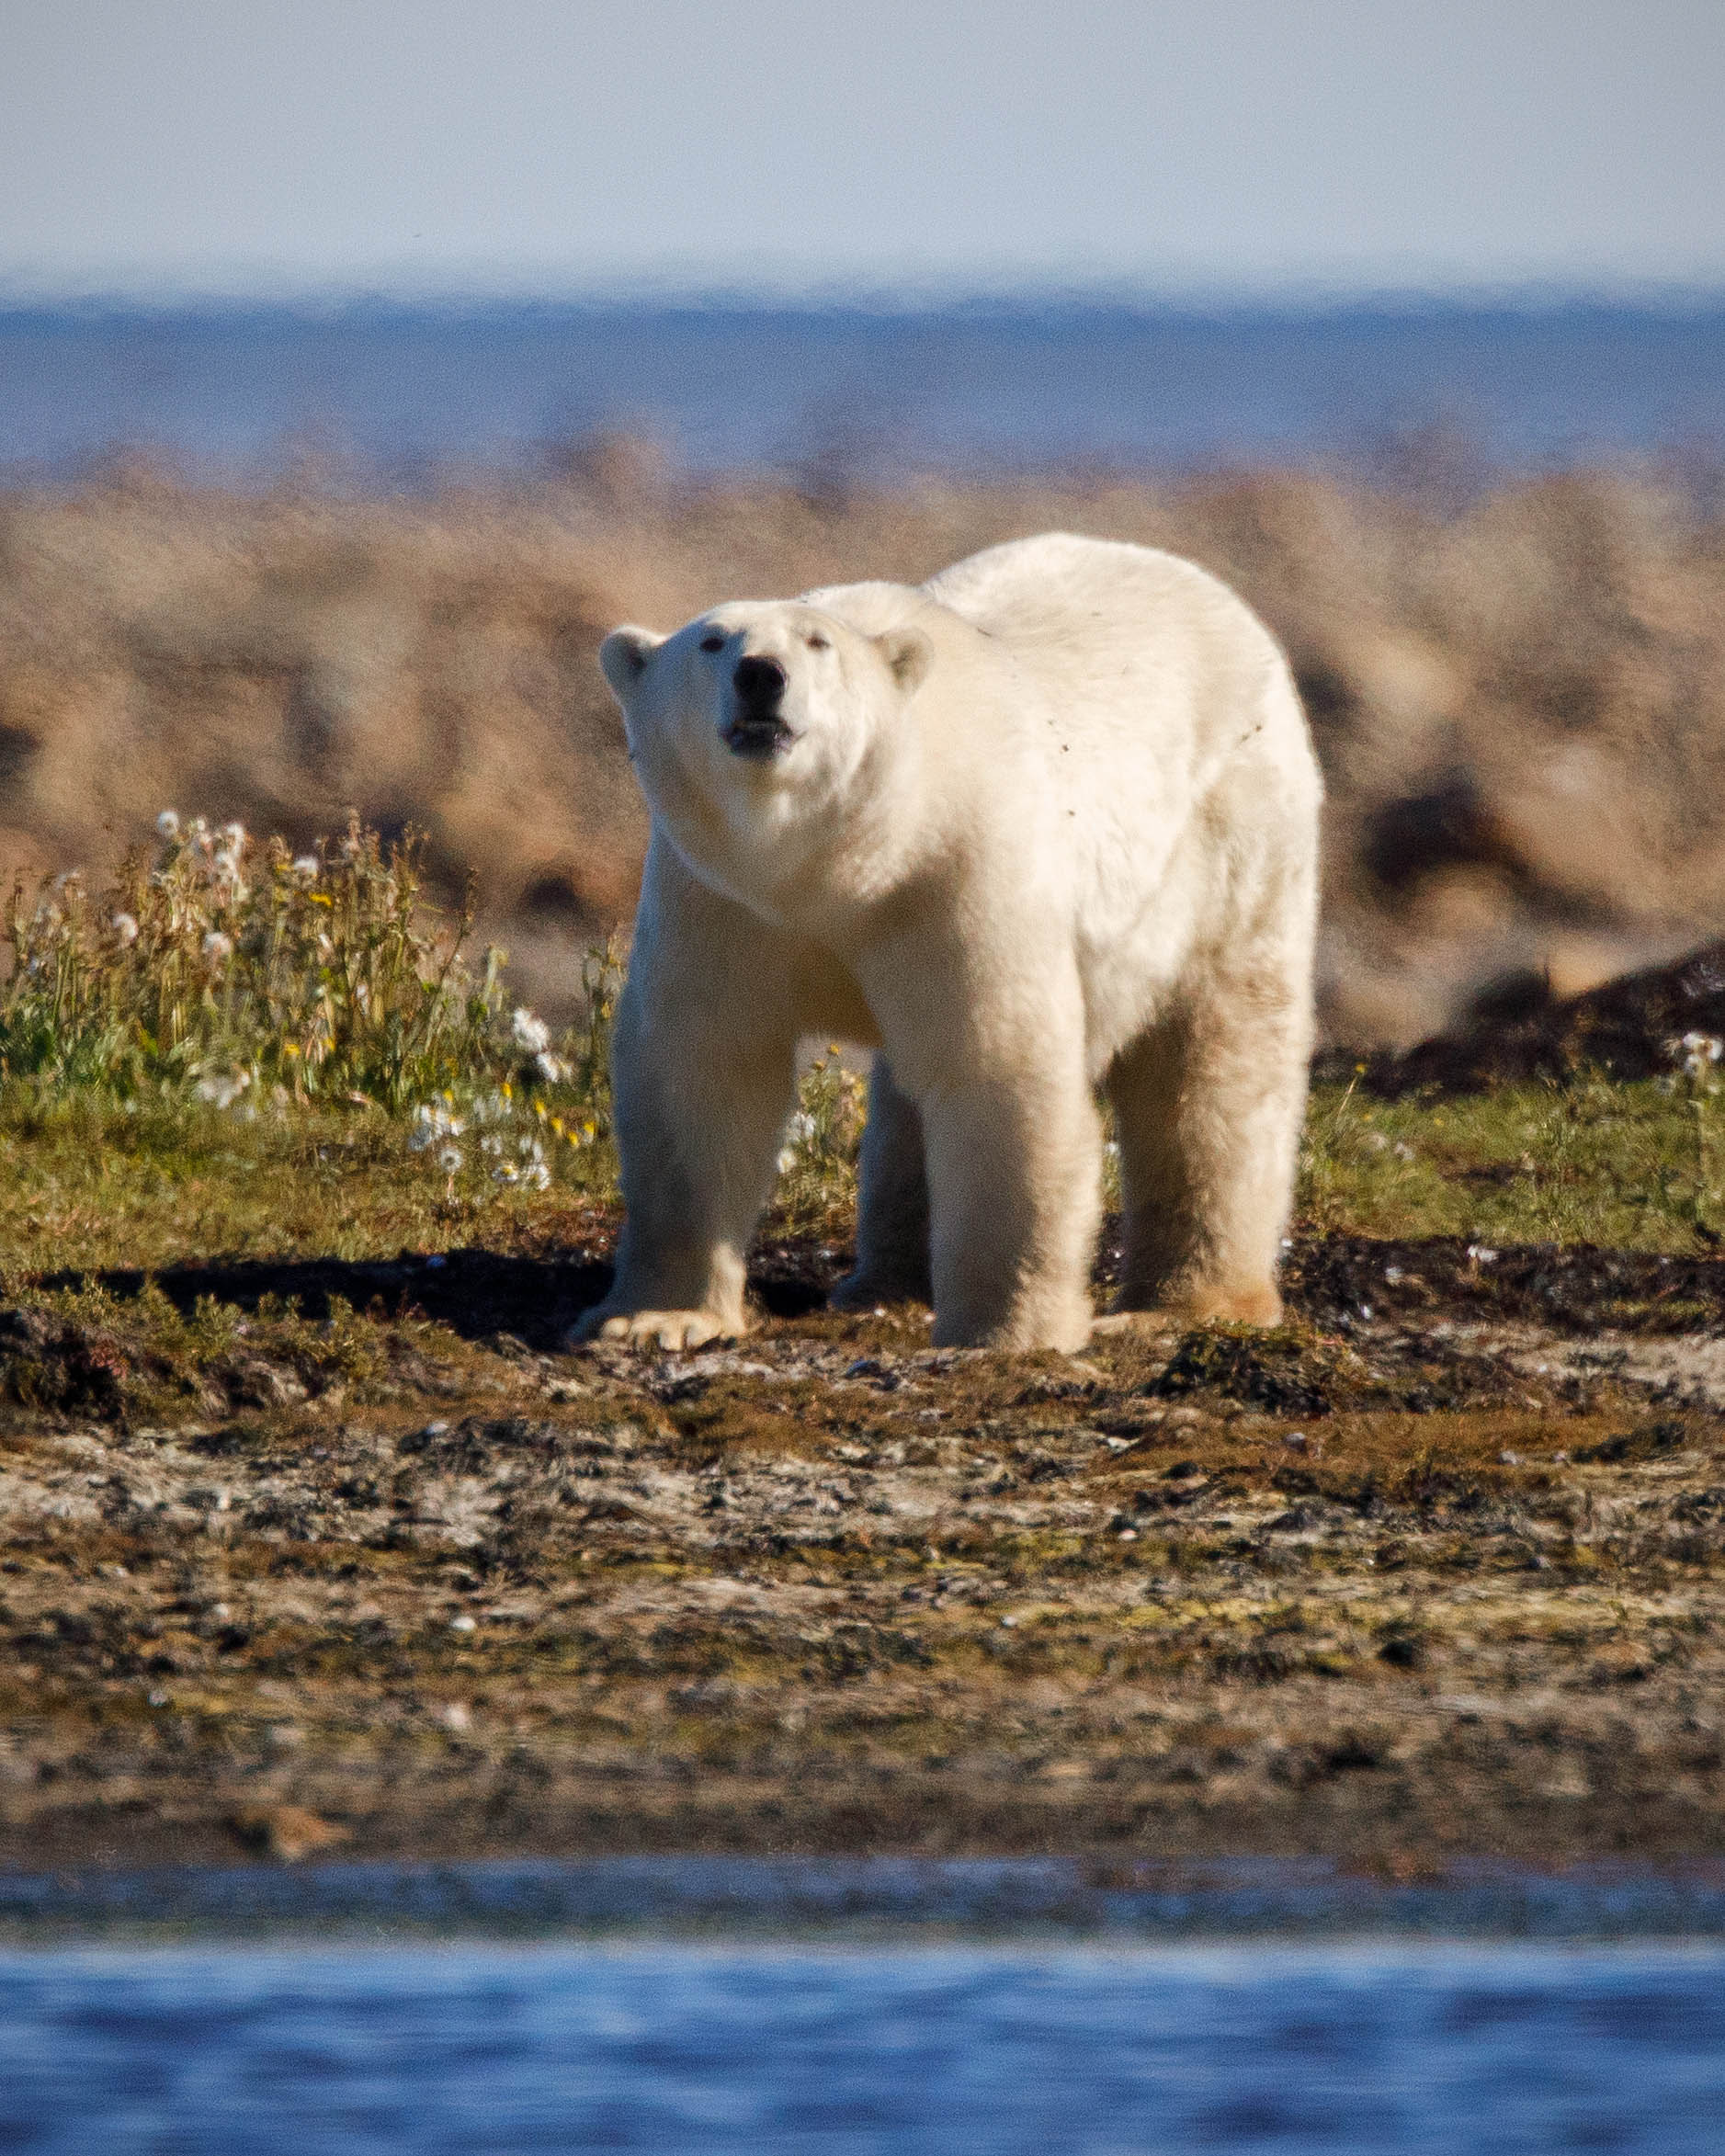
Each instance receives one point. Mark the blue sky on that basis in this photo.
(1207, 146)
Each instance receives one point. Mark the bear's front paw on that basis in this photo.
(675, 1332)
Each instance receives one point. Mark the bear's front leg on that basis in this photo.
(703, 1070)
(1015, 1185)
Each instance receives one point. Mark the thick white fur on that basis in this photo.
(1048, 825)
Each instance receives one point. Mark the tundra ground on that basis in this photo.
(306, 1550)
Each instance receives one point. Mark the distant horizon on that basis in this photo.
(1295, 298)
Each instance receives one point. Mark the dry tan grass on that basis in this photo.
(1520, 705)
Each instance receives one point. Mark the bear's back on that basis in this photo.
(1131, 643)
(1061, 593)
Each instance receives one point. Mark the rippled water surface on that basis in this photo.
(670, 2047)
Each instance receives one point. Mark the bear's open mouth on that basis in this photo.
(758, 737)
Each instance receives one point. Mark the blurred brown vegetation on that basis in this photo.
(1519, 701)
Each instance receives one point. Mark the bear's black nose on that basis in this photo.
(759, 682)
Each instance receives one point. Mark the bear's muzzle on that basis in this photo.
(756, 728)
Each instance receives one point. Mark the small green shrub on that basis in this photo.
(238, 974)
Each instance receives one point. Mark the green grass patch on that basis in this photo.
(1624, 1167)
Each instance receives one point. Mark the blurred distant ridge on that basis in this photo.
(1518, 694)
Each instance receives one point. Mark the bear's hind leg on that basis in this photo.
(891, 1202)
(1209, 1104)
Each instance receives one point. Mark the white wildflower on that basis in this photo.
(198, 831)
(490, 1145)
(125, 929)
(552, 1069)
(432, 1120)
(538, 1175)
(787, 1160)
(234, 836)
(222, 1088)
(306, 868)
(218, 948)
(168, 827)
(531, 1033)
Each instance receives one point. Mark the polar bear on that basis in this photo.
(1042, 827)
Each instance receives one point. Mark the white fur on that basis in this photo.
(1047, 824)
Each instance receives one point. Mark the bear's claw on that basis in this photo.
(674, 1332)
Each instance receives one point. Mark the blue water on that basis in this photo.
(993, 2049)
(887, 2005)
(405, 391)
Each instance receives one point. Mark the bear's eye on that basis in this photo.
(817, 643)
(712, 644)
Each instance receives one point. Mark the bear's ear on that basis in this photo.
(623, 658)
(908, 653)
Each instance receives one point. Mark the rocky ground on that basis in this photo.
(1440, 1568)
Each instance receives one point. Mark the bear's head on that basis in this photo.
(759, 722)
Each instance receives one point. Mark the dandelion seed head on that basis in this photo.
(449, 1159)
(234, 836)
(125, 928)
(218, 948)
(168, 826)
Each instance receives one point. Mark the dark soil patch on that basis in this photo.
(1624, 1029)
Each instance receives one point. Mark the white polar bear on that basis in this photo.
(1046, 824)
